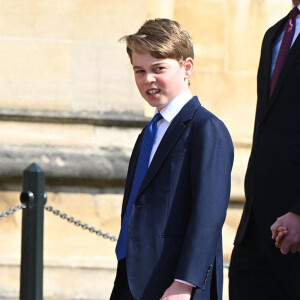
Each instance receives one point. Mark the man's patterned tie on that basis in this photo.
(285, 47)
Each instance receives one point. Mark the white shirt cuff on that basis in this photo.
(185, 282)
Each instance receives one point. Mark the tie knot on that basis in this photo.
(156, 118)
(294, 12)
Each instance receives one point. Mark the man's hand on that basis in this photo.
(287, 242)
(177, 291)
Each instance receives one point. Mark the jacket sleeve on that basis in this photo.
(130, 172)
(211, 158)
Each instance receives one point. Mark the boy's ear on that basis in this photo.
(188, 67)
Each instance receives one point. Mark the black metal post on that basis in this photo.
(34, 197)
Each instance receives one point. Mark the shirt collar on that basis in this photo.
(170, 111)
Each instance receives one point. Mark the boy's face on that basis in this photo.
(160, 80)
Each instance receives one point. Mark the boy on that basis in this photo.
(178, 182)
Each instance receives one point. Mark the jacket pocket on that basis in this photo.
(170, 236)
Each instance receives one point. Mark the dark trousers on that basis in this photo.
(258, 271)
(121, 289)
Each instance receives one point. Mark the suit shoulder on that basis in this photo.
(203, 116)
(277, 26)
(206, 123)
(209, 133)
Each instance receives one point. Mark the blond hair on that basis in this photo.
(162, 38)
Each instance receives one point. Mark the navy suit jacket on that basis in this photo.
(272, 180)
(175, 228)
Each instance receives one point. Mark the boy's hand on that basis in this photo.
(177, 291)
(281, 233)
(290, 242)
(281, 230)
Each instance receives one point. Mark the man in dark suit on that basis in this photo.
(170, 243)
(259, 270)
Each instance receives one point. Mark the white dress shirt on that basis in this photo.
(277, 44)
(169, 112)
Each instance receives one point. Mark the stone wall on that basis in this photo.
(68, 102)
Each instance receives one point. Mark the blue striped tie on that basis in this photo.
(140, 172)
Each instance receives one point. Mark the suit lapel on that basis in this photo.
(290, 60)
(171, 136)
(293, 54)
(265, 67)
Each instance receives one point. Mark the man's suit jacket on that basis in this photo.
(272, 183)
(177, 218)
